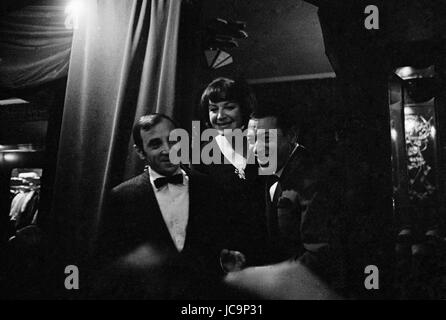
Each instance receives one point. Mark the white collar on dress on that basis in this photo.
(236, 159)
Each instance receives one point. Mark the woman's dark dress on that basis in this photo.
(244, 227)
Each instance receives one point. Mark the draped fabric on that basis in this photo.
(122, 66)
(34, 46)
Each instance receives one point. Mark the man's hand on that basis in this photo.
(231, 260)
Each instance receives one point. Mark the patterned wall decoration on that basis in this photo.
(420, 133)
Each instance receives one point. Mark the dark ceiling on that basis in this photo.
(285, 38)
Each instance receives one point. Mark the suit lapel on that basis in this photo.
(194, 205)
(286, 178)
(282, 244)
(288, 175)
(269, 210)
(271, 207)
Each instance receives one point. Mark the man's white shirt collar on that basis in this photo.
(236, 159)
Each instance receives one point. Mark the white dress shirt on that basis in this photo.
(173, 200)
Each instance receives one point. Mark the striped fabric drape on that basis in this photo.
(122, 65)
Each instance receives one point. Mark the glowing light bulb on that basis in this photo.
(393, 134)
(73, 11)
(10, 157)
(404, 72)
(433, 132)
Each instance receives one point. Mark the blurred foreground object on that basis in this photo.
(289, 280)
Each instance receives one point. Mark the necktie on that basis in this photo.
(175, 179)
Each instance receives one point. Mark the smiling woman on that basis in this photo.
(226, 105)
(227, 102)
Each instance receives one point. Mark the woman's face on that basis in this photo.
(225, 115)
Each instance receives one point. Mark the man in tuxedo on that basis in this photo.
(303, 207)
(161, 225)
(302, 203)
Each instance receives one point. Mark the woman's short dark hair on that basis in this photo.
(146, 123)
(225, 89)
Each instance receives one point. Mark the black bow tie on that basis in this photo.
(175, 179)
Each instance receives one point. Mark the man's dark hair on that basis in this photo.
(146, 123)
(285, 121)
(225, 89)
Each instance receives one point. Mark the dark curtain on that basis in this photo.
(122, 65)
(34, 46)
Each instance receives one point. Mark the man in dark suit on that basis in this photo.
(157, 228)
(303, 206)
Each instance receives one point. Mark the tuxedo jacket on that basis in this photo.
(133, 219)
(308, 204)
